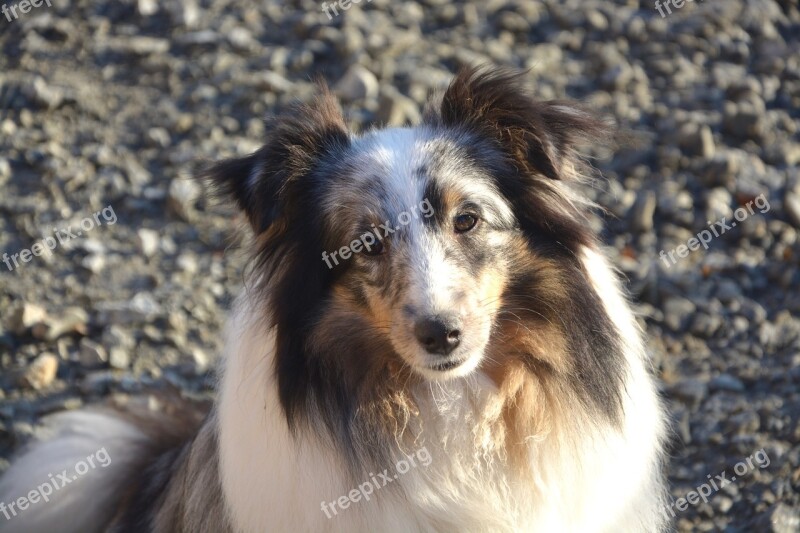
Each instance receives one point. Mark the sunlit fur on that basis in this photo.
(545, 417)
(551, 420)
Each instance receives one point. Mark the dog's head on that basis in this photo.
(416, 248)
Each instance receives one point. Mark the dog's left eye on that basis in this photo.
(465, 222)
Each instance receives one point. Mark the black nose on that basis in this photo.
(438, 334)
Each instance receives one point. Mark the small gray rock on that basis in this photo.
(119, 358)
(726, 382)
(791, 204)
(743, 123)
(691, 391)
(26, 316)
(70, 320)
(97, 382)
(677, 312)
(43, 95)
(200, 359)
(718, 204)
(41, 372)
(187, 262)
(395, 109)
(139, 45)
(618, 77)
(184, 12)
(643, 211)
(181, 197)
(147, 7)
(780, 518)
(358, 83)
(513, 22)
(94, 263)
(92, 353)
(5, 169)
(148, 241)
(116, 336)
(120, 313)
(706, 142)
(705, 325)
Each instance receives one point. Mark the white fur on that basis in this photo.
(85, 504)
(591, 478)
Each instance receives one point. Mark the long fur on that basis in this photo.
(545, 417)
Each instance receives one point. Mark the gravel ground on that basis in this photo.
(104, 105)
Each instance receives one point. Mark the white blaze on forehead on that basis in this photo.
(400, 152)
(390, 156)
(431, 276)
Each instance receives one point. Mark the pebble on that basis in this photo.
(92, 354)
(726, 382)
(718, 204)
(780, 518)
(70, 320)
(791, 205)
(187, 262)
(677, 312)
(147, 7)
(743, 123)
(26, 316)
(691, 391)
(395, 109)
(643, 211)
(148, 241)
(358, 83)
(182, 195)
(140, 46)
(5, 169)
(705, 325)
(141, 308)
(94, 263)
(119, 358)
(184, 12)
(44, 95)
(41, 372)
(705, 142)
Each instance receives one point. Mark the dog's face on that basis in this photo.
(444, 248)
(420, 236)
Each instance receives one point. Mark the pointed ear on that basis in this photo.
(264, 184)
(541, 137)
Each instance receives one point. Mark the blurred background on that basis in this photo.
(105, 104)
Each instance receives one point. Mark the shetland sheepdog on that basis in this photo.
(430, 339)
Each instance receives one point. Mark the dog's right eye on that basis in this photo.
(375, 249)
(464, 223)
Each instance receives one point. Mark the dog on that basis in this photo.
(469, 313)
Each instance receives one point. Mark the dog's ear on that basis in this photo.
(541, 137)
(263, 184)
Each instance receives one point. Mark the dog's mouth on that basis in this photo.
(448, 365)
